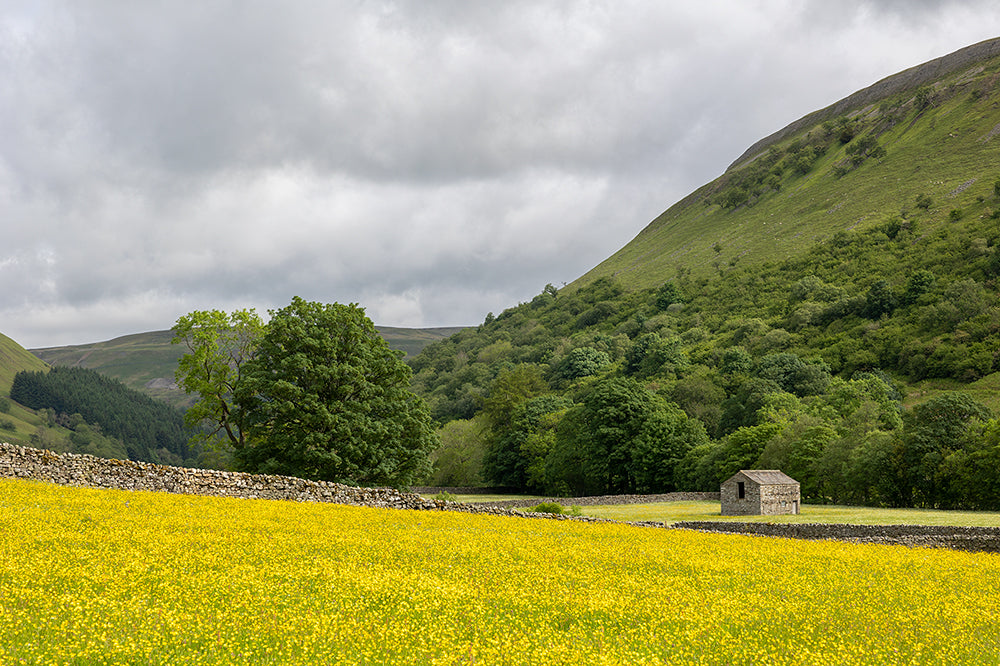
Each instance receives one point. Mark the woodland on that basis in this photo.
(105, 418)
(862, 364)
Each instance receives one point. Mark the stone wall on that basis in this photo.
(779, 499)
(607, 500)
(91, 472)
(977, 539)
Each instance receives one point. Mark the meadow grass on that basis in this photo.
(672, 512)
(110, 577)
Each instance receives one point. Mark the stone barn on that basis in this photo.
(759, 492)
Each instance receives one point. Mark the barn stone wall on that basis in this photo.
(776, 500)
(758, 500)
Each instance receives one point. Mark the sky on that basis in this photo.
(432, 161)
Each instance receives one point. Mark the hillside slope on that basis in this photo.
(13, 359)
(828, 307)
(941, 143)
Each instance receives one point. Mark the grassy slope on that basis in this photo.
(18, 423)
(412, 340)
(146, 361)
(932, 153)
(13, 359)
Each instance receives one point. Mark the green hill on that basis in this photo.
(13, 359)
(828, 307)
(143, 361)
(17, 424)
(937, 123)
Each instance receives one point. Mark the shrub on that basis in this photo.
(446, 497)
(548, 507)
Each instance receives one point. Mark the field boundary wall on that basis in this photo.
(974, 539)
(88, 471)
(81, 470)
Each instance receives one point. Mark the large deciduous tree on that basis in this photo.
(325, 398)
(218, 344)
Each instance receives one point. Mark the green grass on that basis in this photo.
(13, 359)
(672, 512)
(985, 390)
(486, 499)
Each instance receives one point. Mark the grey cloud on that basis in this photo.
(430, 160)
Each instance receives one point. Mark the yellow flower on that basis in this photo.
(97, 576)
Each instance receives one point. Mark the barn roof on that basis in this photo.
(768, 477)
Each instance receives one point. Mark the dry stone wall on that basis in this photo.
(975, 539)
(92, 472)
(71, 469)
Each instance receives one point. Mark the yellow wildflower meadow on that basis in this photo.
(112, 577)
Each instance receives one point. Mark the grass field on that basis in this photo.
(672, 512)
(111, 577)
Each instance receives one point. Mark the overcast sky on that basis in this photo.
(431, 161)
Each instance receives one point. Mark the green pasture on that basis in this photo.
(672, 512)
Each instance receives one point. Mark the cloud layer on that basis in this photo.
(432, 161)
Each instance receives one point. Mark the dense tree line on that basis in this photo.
(798, 365)
(85, 400)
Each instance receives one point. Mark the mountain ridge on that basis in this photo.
(908, 79)
(819, 309)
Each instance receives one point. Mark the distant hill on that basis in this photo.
(146, 361)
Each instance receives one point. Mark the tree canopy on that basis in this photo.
(325, 398)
